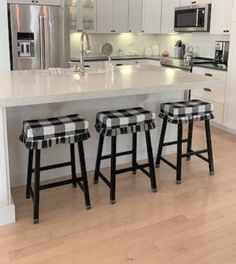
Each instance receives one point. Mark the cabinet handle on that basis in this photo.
(226, 31)
(119, 64)
(80, 30)
(207, 89)
(208, 74)
(86, 66)
(142, 30)
(194, 2)
(129, 30)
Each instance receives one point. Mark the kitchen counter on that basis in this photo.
(212, 67)
(19, 88)
(117, 58)
(38, 94)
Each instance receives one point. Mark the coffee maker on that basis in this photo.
(222, 52)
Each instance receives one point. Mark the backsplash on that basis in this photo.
(137, 44)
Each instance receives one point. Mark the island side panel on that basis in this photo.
(7, 209)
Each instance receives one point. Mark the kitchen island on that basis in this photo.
(36, 94)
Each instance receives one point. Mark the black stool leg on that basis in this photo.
(179, 154)
(151, 161)
(29, 173)
(84, 175)
(73, 167)
(134, 155)
(209, 147)
(113, 171)
(37, 187)
(190, 139)
(161, 142)
(98, 161)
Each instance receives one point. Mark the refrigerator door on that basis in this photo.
(39, 36)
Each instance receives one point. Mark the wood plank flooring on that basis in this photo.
(180, 224)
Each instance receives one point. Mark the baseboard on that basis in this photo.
(7, 215)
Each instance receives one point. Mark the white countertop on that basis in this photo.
(19, 88)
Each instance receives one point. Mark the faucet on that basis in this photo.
(84, 50)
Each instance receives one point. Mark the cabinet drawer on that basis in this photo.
(213, 94)
(219, 75)
(218, 111)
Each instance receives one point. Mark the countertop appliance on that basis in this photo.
(39, 35)
(194, 18)
(221, 52)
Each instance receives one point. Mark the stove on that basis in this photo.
(182, 64)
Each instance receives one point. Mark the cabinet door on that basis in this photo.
(152, 16)
(120, 15)
(230, 102)
(221, 16)
(192, 2)
(104, 16)
(234, 11)
(168, 15)
(135, 16)
(86, 15)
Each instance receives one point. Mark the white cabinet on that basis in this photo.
(230, 102)
(192, 2)
(234, 11)
(135, 16)
(216, 95)
(168, 15)
(221, 16)
(104, 16)
(86, 15)
(112, 16)
(119, 15)
(152, 16)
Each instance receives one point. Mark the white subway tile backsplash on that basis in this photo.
(135, 44)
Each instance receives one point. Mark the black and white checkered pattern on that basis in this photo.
(124, 121)
(183, 112)
(45, 133)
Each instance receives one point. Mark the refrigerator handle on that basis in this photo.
(42, 42)
(46, 42)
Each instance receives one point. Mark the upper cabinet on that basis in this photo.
(135, 16)
(112, 16)
(221, 16)
(234, 11)
(104, 16)
(151, 16)
(193, 2)
(87, 11)
(120, 15)
(168, 15)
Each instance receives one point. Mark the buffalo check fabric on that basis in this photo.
(183, 112)
(44, 133)
(124, 121)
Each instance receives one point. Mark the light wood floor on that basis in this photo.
(190, 223)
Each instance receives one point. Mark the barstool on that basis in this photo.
(45, 133)
(119, 122)
(180, 113)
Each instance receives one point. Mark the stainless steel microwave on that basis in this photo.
(195, 18)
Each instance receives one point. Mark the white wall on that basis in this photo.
(4, 41)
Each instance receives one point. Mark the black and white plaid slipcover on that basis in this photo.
(44, 133)
(185, 111)
(124, 121)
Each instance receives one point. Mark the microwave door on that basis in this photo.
(186, 20)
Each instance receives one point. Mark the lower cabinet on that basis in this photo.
(216, 95)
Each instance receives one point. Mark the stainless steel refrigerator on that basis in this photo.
(39, 34)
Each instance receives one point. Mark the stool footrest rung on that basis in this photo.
(54, 166)
(55, 184)
(118, 154)
(104, 179)
(174, 142)
(192, 153)
(169, 163)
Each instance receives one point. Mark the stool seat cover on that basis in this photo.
(44, 133)
(185, 111)
(124, 121)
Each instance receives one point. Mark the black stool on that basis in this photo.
(118, 122)
(180, 113)
(45, 133)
